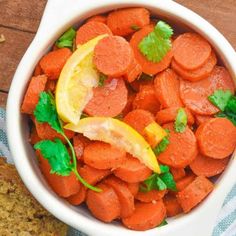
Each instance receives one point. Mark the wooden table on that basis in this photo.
(19, 20)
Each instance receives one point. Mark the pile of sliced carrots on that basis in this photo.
(139, 92)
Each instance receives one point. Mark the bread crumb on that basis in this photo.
(2, 38)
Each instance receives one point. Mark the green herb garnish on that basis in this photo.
(66, 40)
(135, 27)
(164, 222)
(157, 44)
(56, 152)
(102, 79)
(181, 121)
(226, 102)
(161, 147)
(159, 182)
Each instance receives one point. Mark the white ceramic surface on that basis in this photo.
(58, 16)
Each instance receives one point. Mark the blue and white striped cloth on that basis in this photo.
(226, 221)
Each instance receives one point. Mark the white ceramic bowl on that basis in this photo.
(58, 16)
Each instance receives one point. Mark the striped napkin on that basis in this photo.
(226, 221)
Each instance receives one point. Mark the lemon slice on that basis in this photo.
(78, 77)
(119, 134)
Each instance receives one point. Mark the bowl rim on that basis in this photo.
(15, 130)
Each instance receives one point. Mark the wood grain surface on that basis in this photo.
(19, 20)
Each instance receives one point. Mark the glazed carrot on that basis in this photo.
(79, 197)
(148, 67)
(198, 74)
(182, 148)
(208, 167)
(36, 86)
(51, 86)
(139, 119)
(53, 62)
(125, 197)
(153, 195)
(194, 193)
(34, 138)
(146, 216)
(129, 105)
(79, 143)
(185, 181)
(168, 115)
(216, 138)
(133, 188)
(103, 156)
(132, 170)
(108, 100)
(113, 56)
(172, 205)
(64, 186)
(139, 83)
(45, 131)
(191, 51)
(38, 70)
(91, 30)
(201, 119)
(133, 72)
(178, 173)
(146, 99)
(92, 175)
(123, 22)
(195, 94)
(167, 89)
(98, 18)
(105, 205)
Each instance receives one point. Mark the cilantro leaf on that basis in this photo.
(102, 79)
(157, 43)
(160, 184)
(161, 147)
(66, 40)
(164, 169)
(45, 111)
(164, 222)
(230, 110)
(168, 179)
(57, 155)
(220, 98)
(181, 121)
(135, 27)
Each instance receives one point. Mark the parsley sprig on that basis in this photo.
(226, 102)
(67, 39)
(159, 182)
(56, 152)
(157, 44)
(161, 147)
(181, 121)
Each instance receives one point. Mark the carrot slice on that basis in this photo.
(133, 188)
(122, 22)
(216, 138)
(146, 216)
(53, 62)
(36, 86)
(168, 115)
(105, 205)
(108, 100)
(148, 67)
(92, 175)
(64, 186)
(38, 70)
(191, 51)
(129, 105)
(201, 119)
(113, 56)
(208, 167)
(51, 86)
(34, 138)
(91, 30)
(132, 170)
(125, 196)
(139, 83)
(198, 74)
(172, 205)
(167, 89)
(139, 119)
(79, 197)
(98, 18)
(79, 144)
(153, 195)
(194, 193)
(185, 181)
(182, 148)
(195, 94)
(103, 156)
(146, 99)
(178, 173)
(134, 71)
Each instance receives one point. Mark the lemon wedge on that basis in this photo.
(117, 133)
(76, 81)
